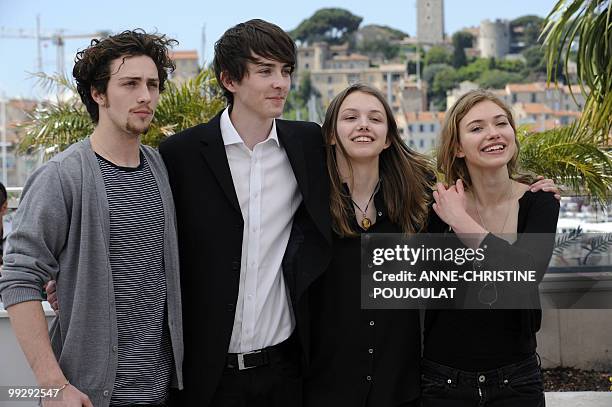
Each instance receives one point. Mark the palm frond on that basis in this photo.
(563, 241)
(56, 125)
(56, 83)
(587, 23)
(572, 157)
(185, 105)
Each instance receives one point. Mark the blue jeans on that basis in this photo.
(519, 384)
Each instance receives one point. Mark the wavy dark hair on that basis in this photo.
(407, 176)
(92, 65)
(237, 45)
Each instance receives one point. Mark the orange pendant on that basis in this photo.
(366, 223)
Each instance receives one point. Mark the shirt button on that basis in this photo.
(114, 348)
(105, 393)
(369, 378)
(370, 350)
(379, 213)
(371, 323)
(449, 381)
(481, 378)
(249, 297)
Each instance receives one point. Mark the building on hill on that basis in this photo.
(187, 65)
(421, 130)
(494, 38)
(430, 21)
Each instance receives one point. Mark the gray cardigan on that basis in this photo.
(61, 231)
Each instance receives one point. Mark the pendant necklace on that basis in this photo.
(366, 222)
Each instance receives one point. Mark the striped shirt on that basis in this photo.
(136, 247)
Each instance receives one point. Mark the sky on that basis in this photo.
(185, 19)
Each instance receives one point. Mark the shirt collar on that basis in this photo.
(230, 135)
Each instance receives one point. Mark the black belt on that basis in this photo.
(261, 357)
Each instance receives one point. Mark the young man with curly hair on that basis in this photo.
(99, 219)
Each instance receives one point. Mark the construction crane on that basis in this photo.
(57, 38)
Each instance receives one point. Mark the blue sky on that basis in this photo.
(184, 19)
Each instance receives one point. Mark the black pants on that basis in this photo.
(277, 384)
(519, 384)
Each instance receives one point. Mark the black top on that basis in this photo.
(488, 339)
(359, 357)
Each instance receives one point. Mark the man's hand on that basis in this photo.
(70, 396)
(51, 290)
(546, 185)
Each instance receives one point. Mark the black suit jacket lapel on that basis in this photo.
(295, 151)
(213, 151)
(317, 206)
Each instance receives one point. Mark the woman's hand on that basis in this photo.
(546, 185)
(451, 207)
(450, 203)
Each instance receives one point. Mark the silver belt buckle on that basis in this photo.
(240, 356)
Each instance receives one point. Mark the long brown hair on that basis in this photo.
(406, 175)
(454, 167)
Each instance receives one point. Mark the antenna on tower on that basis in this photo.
(203, 64)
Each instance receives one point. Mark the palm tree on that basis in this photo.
(56, 125)
(571, 156)
(589, 23)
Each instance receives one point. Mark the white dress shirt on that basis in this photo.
(268, 195)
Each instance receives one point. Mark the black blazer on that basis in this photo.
(210, 228)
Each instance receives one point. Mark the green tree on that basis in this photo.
(430, 71)
(333, 25)
(497, 79)
(589, 24)
(473, 70)
(461, 40)
(59, 124)
(437, 55)
(444, 80)
(530, 28)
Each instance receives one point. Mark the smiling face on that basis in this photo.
(486, 137)
(131, 95)
(362, 127)
(263, 89)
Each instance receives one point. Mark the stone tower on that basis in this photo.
(430, 21)
(494, 40)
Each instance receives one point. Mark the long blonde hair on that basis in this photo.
(454, 167)
(406, 175)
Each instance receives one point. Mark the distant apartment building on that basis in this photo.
(534, 104)
(333, 68)
(19, 166)
(539, 117)
(187, 65)
(430, 21)
(557, 99)
(421, 130)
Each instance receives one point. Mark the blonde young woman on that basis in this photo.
(486, 357)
